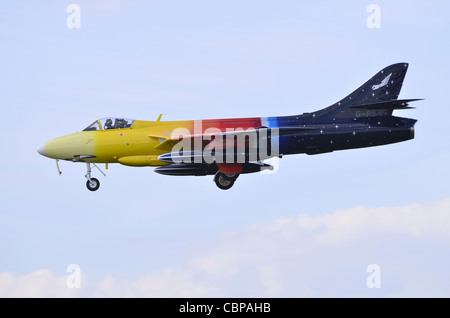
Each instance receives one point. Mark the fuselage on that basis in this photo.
(140, 144)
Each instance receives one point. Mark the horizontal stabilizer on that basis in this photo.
(390, 104)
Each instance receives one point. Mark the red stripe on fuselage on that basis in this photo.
(232, 124)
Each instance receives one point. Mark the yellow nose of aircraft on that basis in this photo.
(69, 147)
(41, 150)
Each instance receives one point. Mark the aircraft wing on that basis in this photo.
(250, 143)
(222, 139)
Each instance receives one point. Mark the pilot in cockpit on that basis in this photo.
(120, 123)
(108, 124)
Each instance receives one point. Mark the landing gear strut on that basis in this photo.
(92, 183)
(225, 180)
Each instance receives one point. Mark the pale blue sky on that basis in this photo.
(144, 233)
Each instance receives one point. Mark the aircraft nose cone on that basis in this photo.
(41, 150)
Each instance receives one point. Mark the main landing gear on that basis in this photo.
(225, 180)
(92, 183)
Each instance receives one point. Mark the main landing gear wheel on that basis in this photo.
(93, 184)
(232, 176)
(223, 181)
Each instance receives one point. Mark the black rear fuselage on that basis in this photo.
(340, 134)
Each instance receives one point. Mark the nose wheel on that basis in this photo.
(92, 183)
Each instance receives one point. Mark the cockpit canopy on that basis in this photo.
(110, 123)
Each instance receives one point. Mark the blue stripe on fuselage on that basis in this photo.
(272, 123)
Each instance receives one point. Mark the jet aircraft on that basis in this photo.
(227, 148)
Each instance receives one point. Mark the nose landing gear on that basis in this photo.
(92, 183)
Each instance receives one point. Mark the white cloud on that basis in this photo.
(40, 283)
(415, 220)
(326, 256)
(305, 256)
(165, 283)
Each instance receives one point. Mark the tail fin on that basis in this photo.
(377, 97)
